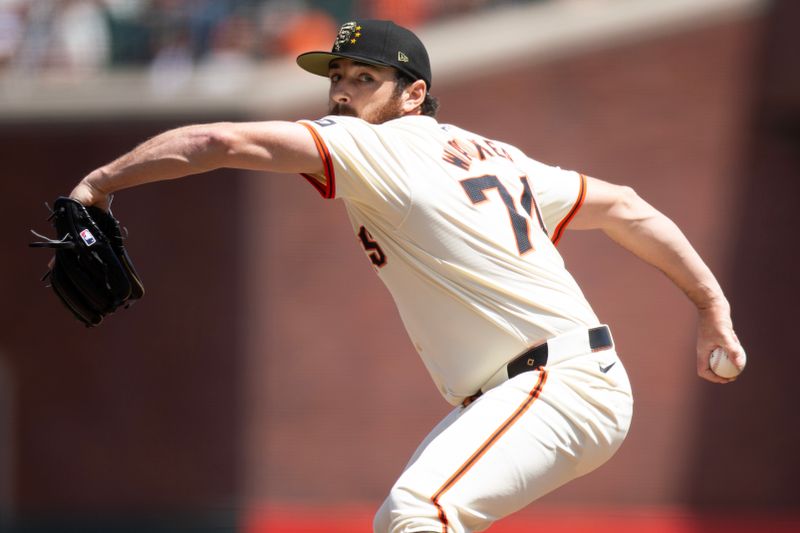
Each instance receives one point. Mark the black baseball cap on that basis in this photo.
(375, 42)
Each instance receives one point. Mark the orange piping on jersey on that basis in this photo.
(572, 212)
(328, 189)
(488, 443)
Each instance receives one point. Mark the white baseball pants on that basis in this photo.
(515, 443)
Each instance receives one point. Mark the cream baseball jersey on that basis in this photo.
(462, 230)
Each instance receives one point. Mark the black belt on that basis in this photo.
(536, 357)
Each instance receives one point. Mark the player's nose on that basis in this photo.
(339, 92)
(340, 96)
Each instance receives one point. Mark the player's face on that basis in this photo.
(363, 91)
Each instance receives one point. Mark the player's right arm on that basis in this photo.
(643, 230)
(274, 146)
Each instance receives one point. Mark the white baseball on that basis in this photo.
(722, 366)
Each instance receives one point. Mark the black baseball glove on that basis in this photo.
(91, 271)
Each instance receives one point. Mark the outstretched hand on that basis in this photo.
(715, 329)
(88, 194)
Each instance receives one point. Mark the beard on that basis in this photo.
(342, 110)
(390, 110)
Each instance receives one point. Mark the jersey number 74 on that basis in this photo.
(476, 191)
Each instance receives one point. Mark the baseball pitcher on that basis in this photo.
(465, 227)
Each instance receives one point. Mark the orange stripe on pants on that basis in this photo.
(487, 444)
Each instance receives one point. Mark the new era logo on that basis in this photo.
(402, 57)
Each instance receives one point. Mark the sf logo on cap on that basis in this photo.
(348, 33)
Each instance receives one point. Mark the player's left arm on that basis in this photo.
(646, 232)
(273, 146)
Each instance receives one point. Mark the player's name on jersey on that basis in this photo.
(462, 152)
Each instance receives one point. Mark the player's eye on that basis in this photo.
(335, 77)
(366, 78)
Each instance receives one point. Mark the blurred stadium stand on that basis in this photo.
(92, 35)
(222, 57)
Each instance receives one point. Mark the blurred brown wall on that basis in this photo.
(267, 363)
(756, 426)
(141, 413)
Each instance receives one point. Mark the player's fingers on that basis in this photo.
(87, 194)
(709, 375)
(734, 350)
(704, 368)
(736, 354)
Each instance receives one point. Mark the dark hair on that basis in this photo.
(429, 106)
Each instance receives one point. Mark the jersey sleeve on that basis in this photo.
(362, 163)
(559, 193)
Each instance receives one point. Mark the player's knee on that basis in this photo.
(402, 511)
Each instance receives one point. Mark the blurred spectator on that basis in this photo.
(130, 33)
(304, 31)
(172, 65)
(205, 18)
(231, 58)
(410, 13)
(339, 10)
(274, 19)
(12, 26)
(81, 36)
(32, 52)
(66, 36)
(233, 36)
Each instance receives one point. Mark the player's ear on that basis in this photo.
(414, 96)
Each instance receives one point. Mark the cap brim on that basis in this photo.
(318, 62)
